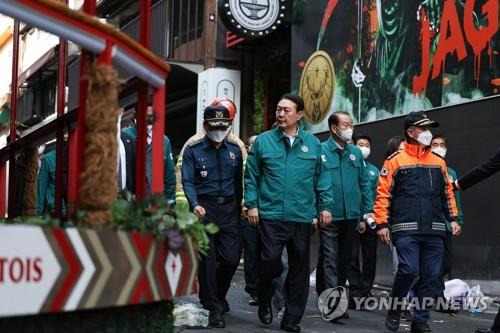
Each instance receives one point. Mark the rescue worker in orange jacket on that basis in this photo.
(414, 196)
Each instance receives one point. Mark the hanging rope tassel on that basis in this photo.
(98, 188)
(30, 177)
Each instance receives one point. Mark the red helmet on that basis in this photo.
(227, 103)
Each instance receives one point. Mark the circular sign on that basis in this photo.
(252, 18)
(317, 86)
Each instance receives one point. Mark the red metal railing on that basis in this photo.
(118, 47)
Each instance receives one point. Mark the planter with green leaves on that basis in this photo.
(148, 254)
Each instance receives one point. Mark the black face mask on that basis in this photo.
(150, 119)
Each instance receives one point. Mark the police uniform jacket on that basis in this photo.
(207, 171)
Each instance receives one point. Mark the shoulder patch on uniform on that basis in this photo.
(195, 142)
(233, 141)
(236, 139)
(393, 154)
(384, 172)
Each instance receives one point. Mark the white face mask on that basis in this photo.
(365, 151)
(218, 135)
(346, 135)
(440, 151)
(41, 149)
(425, 138)
(119, 125)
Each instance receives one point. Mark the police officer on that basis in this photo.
(365, 241)
(180, 197)
(212, 181)
(351, 200)
(284, 172)
(415, 199)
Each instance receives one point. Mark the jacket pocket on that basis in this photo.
(273, 163)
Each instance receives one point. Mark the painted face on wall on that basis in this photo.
(390, 16)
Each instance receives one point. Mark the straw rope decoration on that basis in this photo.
(98, 188)
(30, 177)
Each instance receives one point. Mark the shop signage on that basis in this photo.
(252, 19)
(52, 269)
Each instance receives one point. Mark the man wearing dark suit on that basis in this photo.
(129, 147)
(474, 176)
(483, 171)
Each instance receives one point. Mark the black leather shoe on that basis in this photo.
(253, 301)
(392, 320)
(289, 327)
(420, 328)
(407, 315)
(215, 320)
(265, 312)
(225, 306)
(485, 330)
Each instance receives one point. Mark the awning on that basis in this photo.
(49, 55)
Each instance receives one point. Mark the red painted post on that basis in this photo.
(158, 157)
(77, 136)
(3, 189)
(140, 172)
(145, 23)
(61, 101)
(13, 116)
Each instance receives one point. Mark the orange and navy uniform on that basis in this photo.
(414, 193)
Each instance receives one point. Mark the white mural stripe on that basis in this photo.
(106, 269)
(88, 269)
(134, 273)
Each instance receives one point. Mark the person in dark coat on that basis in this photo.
(474, 176)
(479, 173)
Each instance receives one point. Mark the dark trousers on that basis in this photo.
(217, 267)
(419, 256)
(447, 261)
(496, 323)
(335, 254)
(250, 256)
(274, 236)
(361, 276)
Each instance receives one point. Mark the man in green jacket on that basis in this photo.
(169, 170)
(46, 184)
(352, 201)
(439, 146)
(365, 241)
(287, 189)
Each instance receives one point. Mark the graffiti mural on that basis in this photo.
(390, 57)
